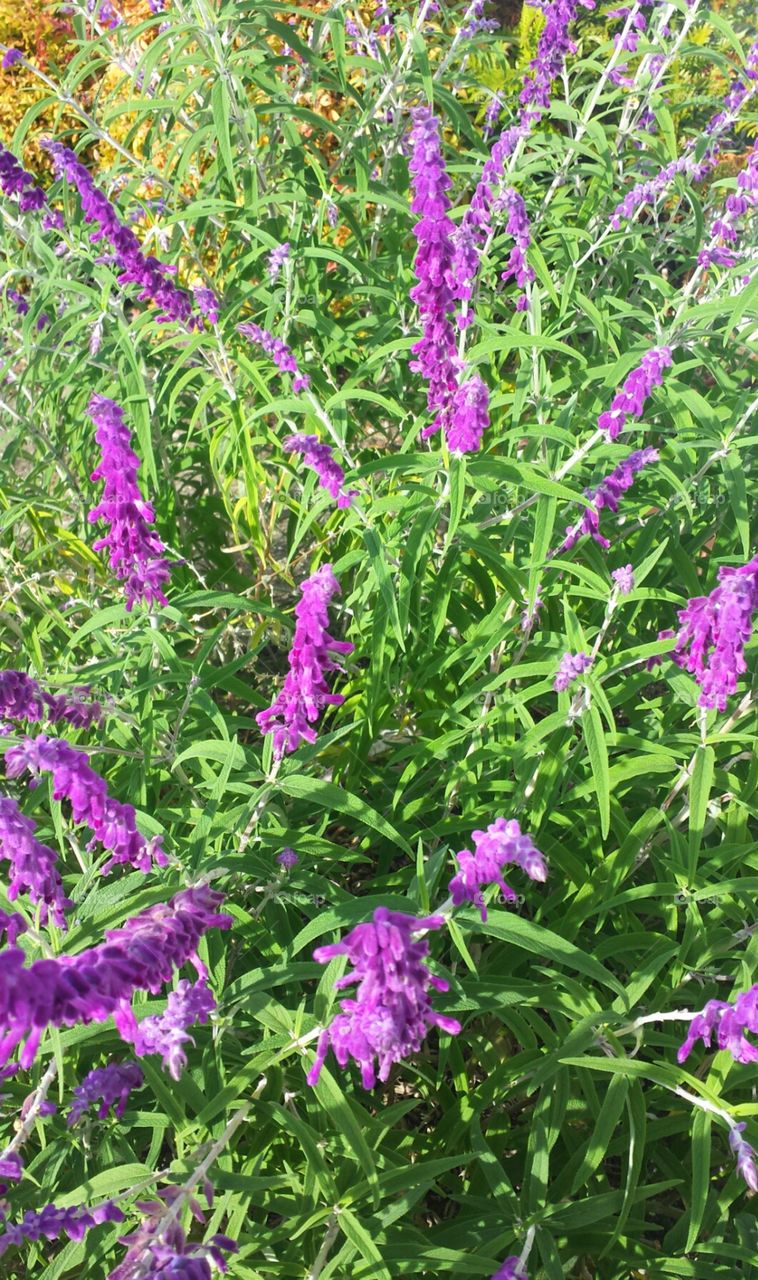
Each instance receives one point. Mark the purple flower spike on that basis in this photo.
(729, 1022)
(276, 260)
(630, 401)
(571, 667)
(21, 698)
(746, 1166)
(305, 692)
(106, 1085)
(469, 416)
(135, 550)
(113, 824)
(607, 494)
(98, 982)
(11, 923)
(166, 1033)
(511, 1270)
(52, 1222)
(278, 351)
(33, 866)
(503, 842)
(725, 229)
(11, 57)
(320, 457)
(11, 1167)
(623, 579)
(16, 181)
(391, 1013)
(713, 632)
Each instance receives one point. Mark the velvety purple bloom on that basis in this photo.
(332, 213)
(12, 1168)
(725, 230)
(159, 1249)
(553, 46)
(278, 351)
(469, 416)
(11, 57)
(713, 632)
(503, 842)
(607, 494)
(623, 579)
(435, 353)
(98, 982)
(305, 692)
(474, 22)
(33, 866)
(287, 859)
(510, 1270)
(166, 1033)
(570, 668)
(104, 13)
(276, 260)
(517, 226)
(16, 181)
(22, 698)
(11, 923)
(157, 6)
(153, 277)
(135, 551)
(18, 300)
(106, 1085)
(113, 824)
(392, 1012)
(746, 1166)
(629, 402)
(52, 1222)
(492, 115)
(729, 1022)
(738, 94)
(320, 457)
(207, 303)
(648, 191)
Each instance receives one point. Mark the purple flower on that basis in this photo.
(33, 866)
(501, 843)
(276, 260)
(623, 579)
(98, 982)
(392, 1012)
(52, 1222)
(153, 277)
(159, 1249)
(21, 698)
(11, 1167)
(647, 192)
(729, 1022)
(469, 416)
(553, 46)
(16, 181)
(11, 57)
(746, 1166)
(530, 612)
(207, 303)
(492, 115)
(511, 1270)
(332, 213)
(474, 21)
(570, 668)
(166, 1033)
(305, 692)
(713, 632)
(435, 352)
(11, 923)
(18, 300)
(630, 401)
(517, 226)
(724, 231)
(113, 824)
(287, 859)
(135, 550)
(278, 351)
(106, 1085)
(607, 494)
(320, 457)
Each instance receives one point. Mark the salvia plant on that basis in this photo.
(377, 596)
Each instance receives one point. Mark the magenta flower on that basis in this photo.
(570, 668)
(11, 1167)
(166, 1033)
(278, 351)
(11, 57)
(503, 842)
(607, 494)
(33, 866)
(725, 230)
(106, 1085)
(287, 859)
(135, 550)
(306, 692)
(713, 632)
(553, 46)
(517, 226)
(11, 923)
(22, 698)
(623, 579)
(321, 459)
(98, 982)
(729, 1022)
(276, 260)
(52, 1222)
(746, 1166)
(469, 415)
(630, 401)
(392, 1012)
(16, 181)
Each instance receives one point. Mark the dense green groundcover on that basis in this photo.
(229, 127)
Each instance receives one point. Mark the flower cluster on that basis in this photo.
(33, 867)
(724, 232)
(469, 415)
(553, 46)
(305, 692)
(159, 1248)
(392, 1012)
(503, 842)
(729, 1022)
(12, 923)
(647, 192)
(517, 226)
(623, 579)
(570, 668)
(276, 260)
(113, 823)
(607, 494)
(106, 1085)
(22, 698)
(166, 1033)
(629, 402)
(475, 23)
(278, 351)
(320, 457)
(287, 859)
(52, 1222)
(16, 181)
(153, 277)
(98, 982)
(135, 551)
(713, 632)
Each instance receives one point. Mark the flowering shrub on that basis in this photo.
(376, 502)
